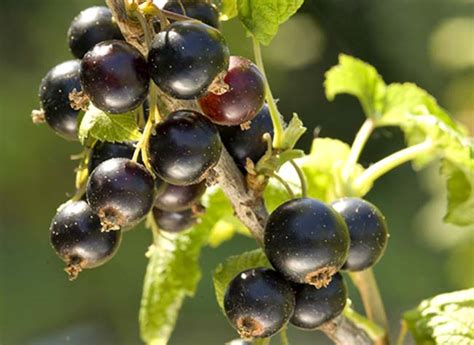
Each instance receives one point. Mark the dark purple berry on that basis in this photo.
(121, 192)
(93, 25)
(247, 143)
(367, 229)
(103, 151)
(242, 101)
(177, 198)
(201, 10)
(314, 306)
(77, 238)
(186, 57)
(174, 221)
(54, 92)
(184, 147)
(306, 241)
(115, 76)
(258, 303)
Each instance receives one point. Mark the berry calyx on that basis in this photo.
(91, 26)
(198, 9)
(367, 229)
(54, 92)
(103, 151)
(76, 236)
(258, 303)
(178, 198)
(243, 99)
(313, 307)
(115, 76)
(121, 192)
(184, 147)
(174, 221)
(306, 241)
(186, 57)
(244, 144)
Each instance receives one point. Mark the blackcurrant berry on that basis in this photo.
(367, 229)
(174, 221)
(247, 143)
(314, 307)
(178, 198)
(115, 76)
(54, 92)
(186, 57)
(103, 151)
(198, 9)
(92, 26)
(307, 241)
(258, 303)
(242, 101)
(77, 238)
(184, 147)
(121, 192)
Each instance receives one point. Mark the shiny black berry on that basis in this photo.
(92, 26)
(186, 57)
(247, 143)
(367, 229)
(121, 192)
(115, 76)
(174, 221)
(177, 198)
(103, 151)
(314, 307)
(242, 101)
(306, 241)
(54, 92)
(258, 303)
(184, 147)
(201, 10)
(77, 238)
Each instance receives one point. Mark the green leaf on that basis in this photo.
(232, 266)
(263, 17)
(228, 9)
(323, 168)
(446, 319)
(108, 127)
(460, 185)
(358, 79)
(173, 273)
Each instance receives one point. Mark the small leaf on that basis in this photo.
(232, 266)
(108, 127)
(228, 9)
(293, 132)
(358, 79)
(173, 272)
(263, 17)
(323, 168)
(446, 319)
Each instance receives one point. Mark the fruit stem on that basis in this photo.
(388, 163)
(302, 177)
(357, 146)
(274, 113)
(144, 24)
(403, 333)
(371, 298)
(284, 337)
(284, 183)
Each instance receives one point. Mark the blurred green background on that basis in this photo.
(429, 42)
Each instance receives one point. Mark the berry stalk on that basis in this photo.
(275, 114)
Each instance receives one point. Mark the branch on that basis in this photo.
(342, 331)
(249, 208)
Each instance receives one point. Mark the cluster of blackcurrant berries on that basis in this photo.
(307, 242)
(187, 59)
